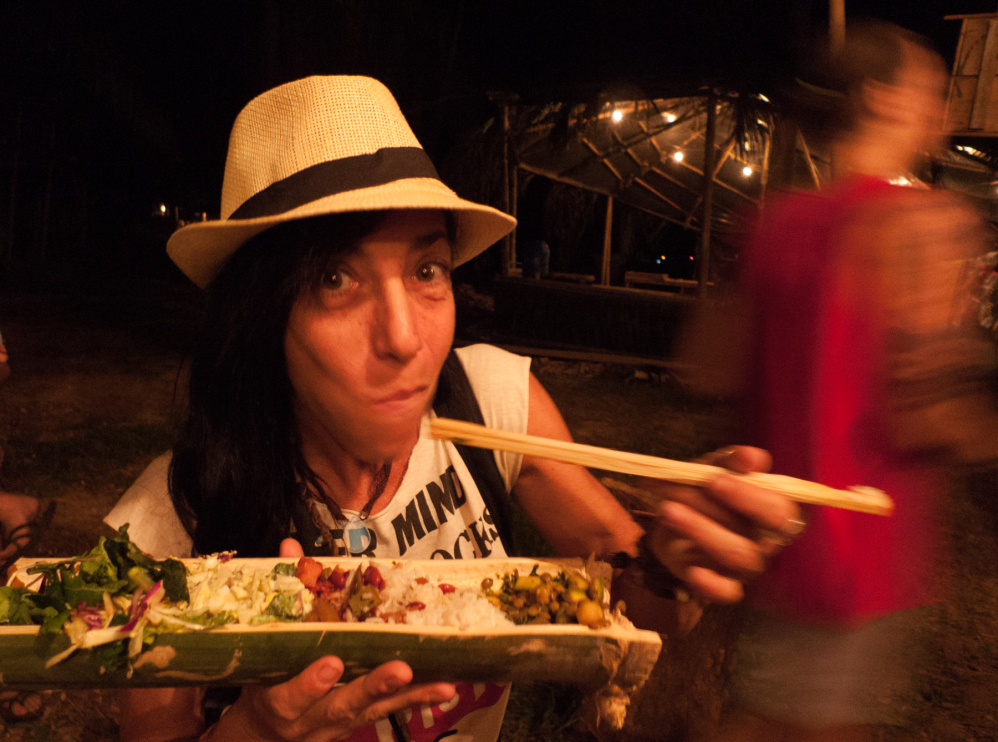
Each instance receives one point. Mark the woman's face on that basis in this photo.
(364, 352)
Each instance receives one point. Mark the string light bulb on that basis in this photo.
(678, 155)
(617, 115)
(746, 171)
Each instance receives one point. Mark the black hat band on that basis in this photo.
(337, 176)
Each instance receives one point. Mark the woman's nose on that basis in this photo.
(396, 332)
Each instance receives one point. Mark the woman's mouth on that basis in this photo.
(401, 396)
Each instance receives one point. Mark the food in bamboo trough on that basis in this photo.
(116, 593)
(116, 617)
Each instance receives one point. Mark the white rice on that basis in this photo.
(464, 608)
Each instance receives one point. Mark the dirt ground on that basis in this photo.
(90, 402)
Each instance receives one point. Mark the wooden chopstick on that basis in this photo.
(861, 499)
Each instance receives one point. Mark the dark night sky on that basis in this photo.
(136, 99)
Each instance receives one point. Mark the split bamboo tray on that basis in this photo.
(613, 662)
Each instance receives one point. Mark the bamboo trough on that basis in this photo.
(612, 662)
(859, 498)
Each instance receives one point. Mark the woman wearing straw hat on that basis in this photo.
(328, 324)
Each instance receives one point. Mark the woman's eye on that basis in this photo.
(336, 280)
(431, 272)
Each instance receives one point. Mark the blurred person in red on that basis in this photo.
(856, 372)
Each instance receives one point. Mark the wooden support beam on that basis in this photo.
(659, 196)
(587, 187)
(602, 158)
(508, 246)
(605, 273)
(764, 178)
(716, 170)
(514, 199)
(985, 81)
(810, 161)
(836, 24)
(708, 192)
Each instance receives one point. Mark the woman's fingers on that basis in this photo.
(697, 498)
(736, 504)
(732, 552)
(291, 549)
(292, 700)
(313, 702)
(714, 587)
(383, 691)
(717, 537)
(703, 575)
(742, 459)
(763, 509)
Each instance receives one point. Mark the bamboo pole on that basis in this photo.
(708, 192)
(985, 79)
(807, 158)
(514, 199)
(836, 23)
(605, 273)
(764, 178)
(716, 170)
(509, 256)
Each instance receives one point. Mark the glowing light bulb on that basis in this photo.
(617, 115)
(678, 157)
(746, 171)
(670, 117)
(162, 208)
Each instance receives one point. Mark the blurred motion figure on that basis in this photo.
(857, 372)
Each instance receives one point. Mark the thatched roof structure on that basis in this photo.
(650, 153)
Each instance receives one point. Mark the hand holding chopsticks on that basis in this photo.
(862, 499)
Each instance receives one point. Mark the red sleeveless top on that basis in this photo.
(816, 402)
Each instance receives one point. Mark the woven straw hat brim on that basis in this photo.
(202, 248)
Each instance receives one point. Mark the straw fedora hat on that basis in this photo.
(324, 145)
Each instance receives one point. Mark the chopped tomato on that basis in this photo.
(416, 606)
(445, 588)
(308, 571)
(373, 578)
(338, 578)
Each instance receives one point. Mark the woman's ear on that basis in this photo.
(880, 100)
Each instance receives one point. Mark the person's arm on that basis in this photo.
(711, 538)
(937, 368)
(573, 511)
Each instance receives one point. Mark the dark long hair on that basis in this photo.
(237, 464)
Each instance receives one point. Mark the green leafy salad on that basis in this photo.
(117, 598)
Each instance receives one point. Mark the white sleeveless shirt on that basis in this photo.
(437, 513)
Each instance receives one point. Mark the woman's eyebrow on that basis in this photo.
(428, 240)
